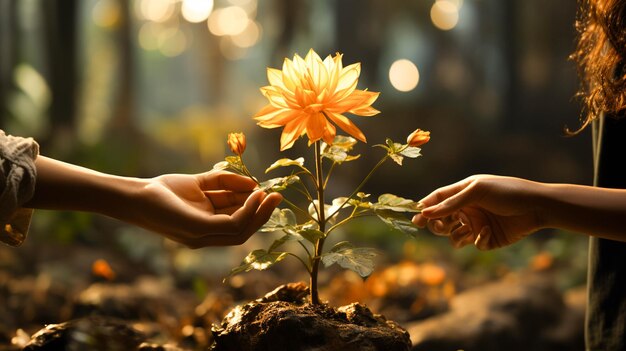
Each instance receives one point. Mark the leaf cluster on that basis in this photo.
(305, 228)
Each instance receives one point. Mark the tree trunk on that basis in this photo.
(60, 22)
(8, 53)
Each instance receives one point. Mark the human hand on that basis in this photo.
(489, 211)
(207, 209)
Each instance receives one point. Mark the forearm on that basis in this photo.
(62, 186)
(593, 211)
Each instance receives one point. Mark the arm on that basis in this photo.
(207, 209)
(494, 211)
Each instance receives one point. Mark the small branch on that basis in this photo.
(358, 188)
(306, 266)
(308, 253)
(330, 171)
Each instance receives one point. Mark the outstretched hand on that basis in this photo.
(207, 209)
(488, 211)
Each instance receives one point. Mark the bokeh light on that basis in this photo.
(445, 14)
(230, 50)
(249, 36)
(148, 34)
(457, 3)
(196, 11)
(157, 10)
(230, 20)
(250, 6)
(106, 13)
(172, 42)
(403, 75)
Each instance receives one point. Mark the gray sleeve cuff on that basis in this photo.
(17, 185)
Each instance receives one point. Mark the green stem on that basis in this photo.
(358, 188)
(301, 261)
(330, 171)
(308, 253)
(343, 221)
(315, 261)
(294, 207)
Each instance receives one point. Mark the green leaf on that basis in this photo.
(338, 151)
(290, 235)
(397, 158)
(280, 219)
(398, 151)
(397, 203)
(359, 260)
(230, 162)
(259, 260)
(344, 142)
(398, 221)
(390, 144)
(279, 184)
(285, 162)
(411, 152)
(311, 235)
(222, 165)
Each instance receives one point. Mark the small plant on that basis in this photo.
(309, 96)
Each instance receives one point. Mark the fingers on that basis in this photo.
(462, 236)
(223, 180)
(262, 214)
(442, 226)
(244, 215)
(483, 239)
(458, 228)
(227, 199)
(237, 223)
(452, 204)
(443, 193)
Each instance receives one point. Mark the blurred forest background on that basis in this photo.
(145, 87)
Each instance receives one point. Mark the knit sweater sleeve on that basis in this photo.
(17, 185)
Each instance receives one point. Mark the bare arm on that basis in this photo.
(594, 211)
(494, 211)
(207, 209)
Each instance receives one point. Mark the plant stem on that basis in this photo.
(315, 263)
(301, 261)
(358, 188)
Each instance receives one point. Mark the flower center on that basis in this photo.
(314, 108)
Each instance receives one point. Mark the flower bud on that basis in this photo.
(418, 137)
(237, 143)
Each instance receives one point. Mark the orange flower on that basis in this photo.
(309, 96)
(237, 143)
(418, 137)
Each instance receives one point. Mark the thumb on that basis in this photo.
(450, 205)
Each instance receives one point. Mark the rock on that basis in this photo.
(271, 323)
(94, 333)
(146, 299)
(519, 313)
(156, 347)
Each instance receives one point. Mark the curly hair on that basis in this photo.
(599, 55)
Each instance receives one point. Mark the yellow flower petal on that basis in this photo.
(329, 133)
(292, 132)
(359, 99)
(365, 112)
(349, 77)
(275, 98)
(267, 110)
(275, 77)
(344, 123)
(277, 119)
(316, 126)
